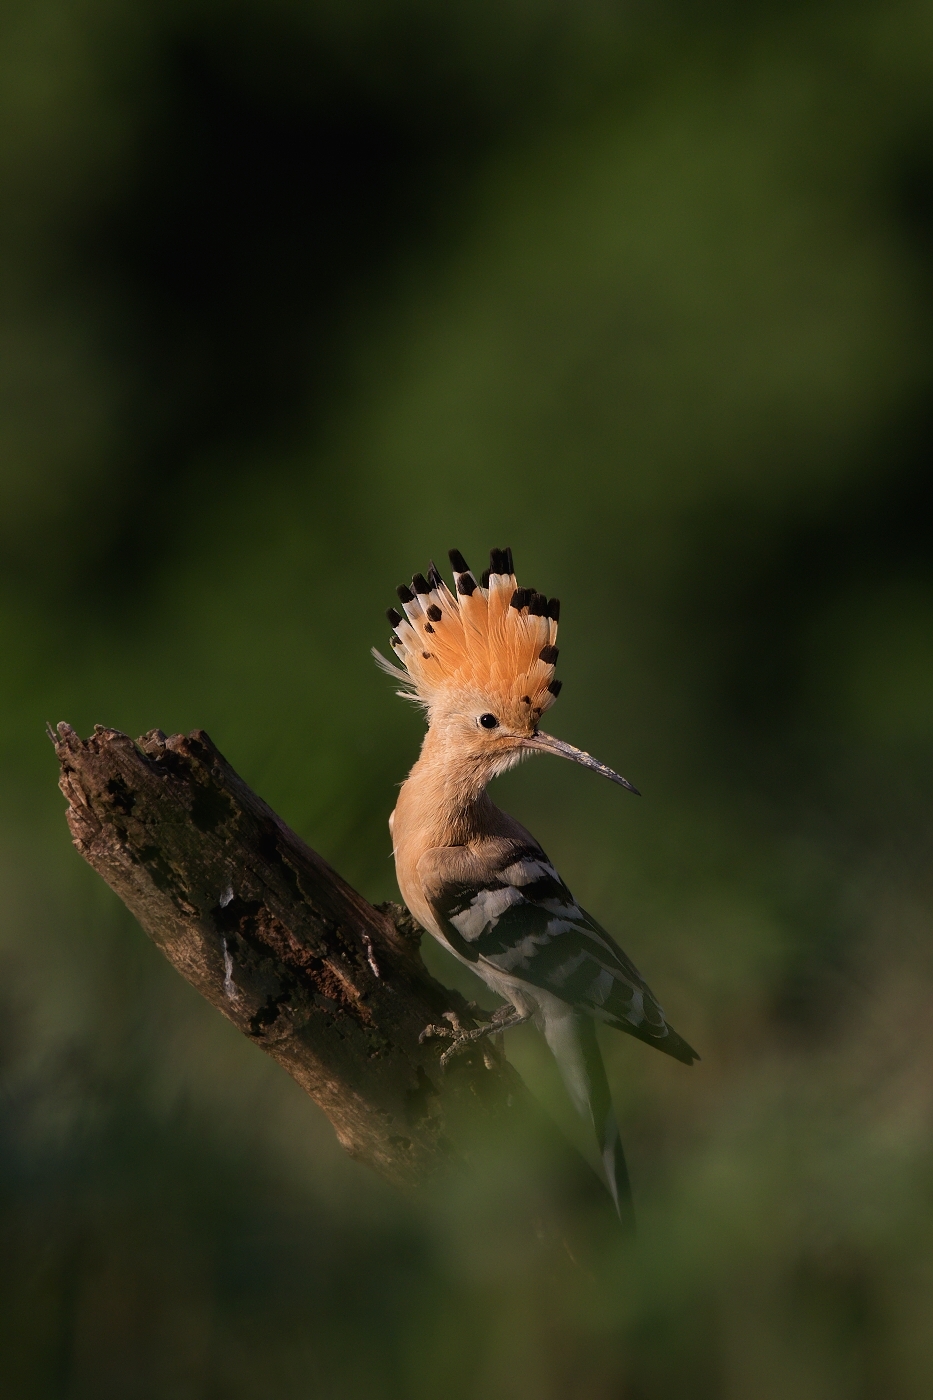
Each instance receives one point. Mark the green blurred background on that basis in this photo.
(297, 295)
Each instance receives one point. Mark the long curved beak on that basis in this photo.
(546, 743)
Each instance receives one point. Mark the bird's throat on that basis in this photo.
(444, 797)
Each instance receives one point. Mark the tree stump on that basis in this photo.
(330, 986)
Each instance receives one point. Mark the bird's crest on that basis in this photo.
(489, 635)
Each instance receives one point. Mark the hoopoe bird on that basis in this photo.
(481, 662)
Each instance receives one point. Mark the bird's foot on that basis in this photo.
(502, 1019)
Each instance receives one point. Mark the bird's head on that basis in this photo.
(481, 661)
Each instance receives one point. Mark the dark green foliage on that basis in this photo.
(294, 298)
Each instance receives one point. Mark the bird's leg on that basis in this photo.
(502, 1019)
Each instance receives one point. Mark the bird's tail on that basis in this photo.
(572, 1038)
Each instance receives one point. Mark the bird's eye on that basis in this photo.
(489, 721)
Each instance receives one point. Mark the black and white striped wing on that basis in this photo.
(523, 921)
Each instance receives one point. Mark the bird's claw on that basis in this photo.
(430, 1031)
(500, 1020)
(455, 1032)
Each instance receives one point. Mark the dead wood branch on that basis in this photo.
(329, 986)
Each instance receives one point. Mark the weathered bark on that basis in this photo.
(331, 987)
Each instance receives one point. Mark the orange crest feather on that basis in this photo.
(489, 636)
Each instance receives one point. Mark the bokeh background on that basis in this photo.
(297, 295)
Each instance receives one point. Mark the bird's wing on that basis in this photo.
(508, 908)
